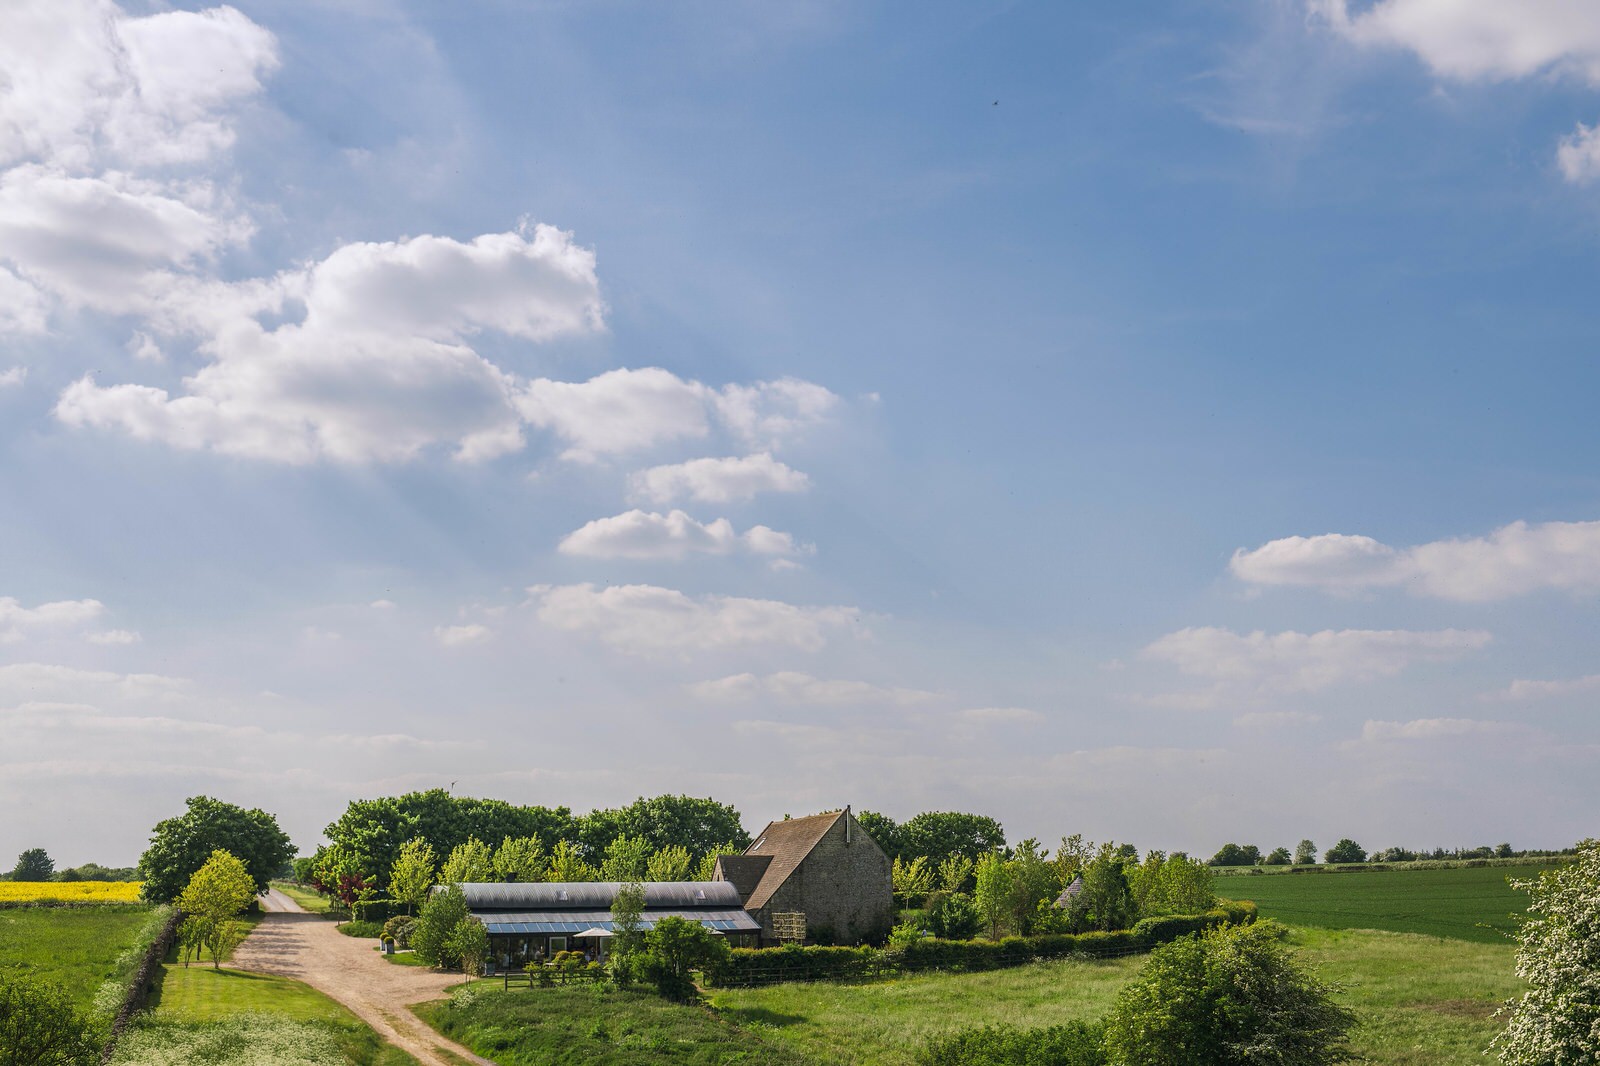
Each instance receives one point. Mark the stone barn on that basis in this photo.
(825, 867)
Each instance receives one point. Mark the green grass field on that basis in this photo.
(1470, 903)
(309, 899)
(76, 947)
(597, 1027)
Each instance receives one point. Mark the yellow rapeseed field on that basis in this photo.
(70, 891)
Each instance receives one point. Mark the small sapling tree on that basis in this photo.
(993, 896)
(215, 893)
(431, 938)
(671, 863)
(469, 862)
(627, 916)
(469, 942)
(519, 859)
(412, 874)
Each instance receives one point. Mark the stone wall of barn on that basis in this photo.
(842, 887)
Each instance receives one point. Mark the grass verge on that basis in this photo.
(309, 899)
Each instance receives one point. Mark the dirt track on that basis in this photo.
(308, 948)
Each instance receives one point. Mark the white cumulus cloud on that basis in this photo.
(18, 622)
(1526, 689)
(1261, 663)
(648, 619)
(725, 480)
(1578, 155)
(456, 636)
(646, 535)
(114, 636)
(1514, 560)
(791, 686)
(1431, 729)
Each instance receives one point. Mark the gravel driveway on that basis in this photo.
(308, 948)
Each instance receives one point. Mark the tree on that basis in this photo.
(884, 831)
(1278, 857)
(708, 862)
(1033, 882)
(1229, 996)
(674, 949)
(940, 834)
(1346, 850)
(1305, 853)
(671, 863)
(412, 875)
(1234, 855)
(1106, 901)
(519, 859)
(39, 1026)
(34, 864)
(218, 890)
(468, 941)
(954, 873)
(993, 897)
(1557, 1020)
(910, 880)
(181, 845)
(567, 865)
(626, 859)
(696, 824)
(1186, 885)
(627, 915)
(469, 863)
(1072, 856)
(433, 939)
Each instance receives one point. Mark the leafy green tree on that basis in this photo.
(910, 880)
(1033, 882)
(1234, 855)
(1346, 850)
(884, 831)
(708, 862)
(940, 834)
(627, 918)
(1277, 857)
(954, 873)
(993, 897)
(433, 937)
(696, 824)
(626, 859)
(1557, 1020)
(1230, 996)
(1305, 853)
(39, 1026)
(468, 941)
(469, 863)
(567, 865)
(179, 846)
(34, 864)
(1186, 885)
(1106, 900)
(671, 863)
(412, 875)
(1072, 856)
(519, 859)
(953, 916)
(216, 892)
(674, 949)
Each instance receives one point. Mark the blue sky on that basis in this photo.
(1171, 423)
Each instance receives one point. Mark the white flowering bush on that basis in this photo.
(1557, 1021)
(244, 1040)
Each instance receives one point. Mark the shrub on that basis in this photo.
(952, 916)
(1075, 1044)
(430, 939)
(1231, 995)
(399, 930)
(38, 1024)
(363, 929)
(746, 967)
(675, 948)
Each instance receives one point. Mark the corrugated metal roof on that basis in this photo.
(596, 895)
(569, 922)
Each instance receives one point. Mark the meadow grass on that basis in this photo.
(1421, 1000)
(1469, 903)
(75, 947)
(887, 1022)
(597, 1026)
(197, 993)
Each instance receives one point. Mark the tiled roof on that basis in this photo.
(788, 843)
(743, 871)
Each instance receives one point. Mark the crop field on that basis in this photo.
(1469, 903)
(76, 947)
(69, 892)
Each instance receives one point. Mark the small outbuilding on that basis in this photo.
(821, 879)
